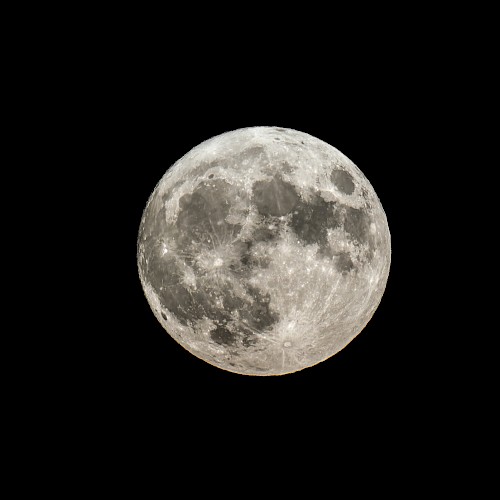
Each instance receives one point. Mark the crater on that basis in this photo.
(343, 181)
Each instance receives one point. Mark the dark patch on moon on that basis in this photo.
(310, 221)
(343, 263)
(251, 260)
(258, 313)
(222, 335)
(211, 176)
(232, 302)
(343, 181)
(254, 315)
(274, 197)
(249, 257)
(357, 224)
(202, 214)
(201, 223)
(249, 340)
(165, 273)
(264, 234)
(162, 273)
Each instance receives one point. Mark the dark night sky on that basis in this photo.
(128, 99)
(157, 124)
(149, 113)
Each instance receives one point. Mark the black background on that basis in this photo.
(105, 100)
(147, 100)
(155, 118)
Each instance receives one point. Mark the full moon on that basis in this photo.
(263, 251)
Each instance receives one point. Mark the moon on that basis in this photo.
(263, 251)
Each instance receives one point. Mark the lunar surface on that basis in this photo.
(263, 251)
